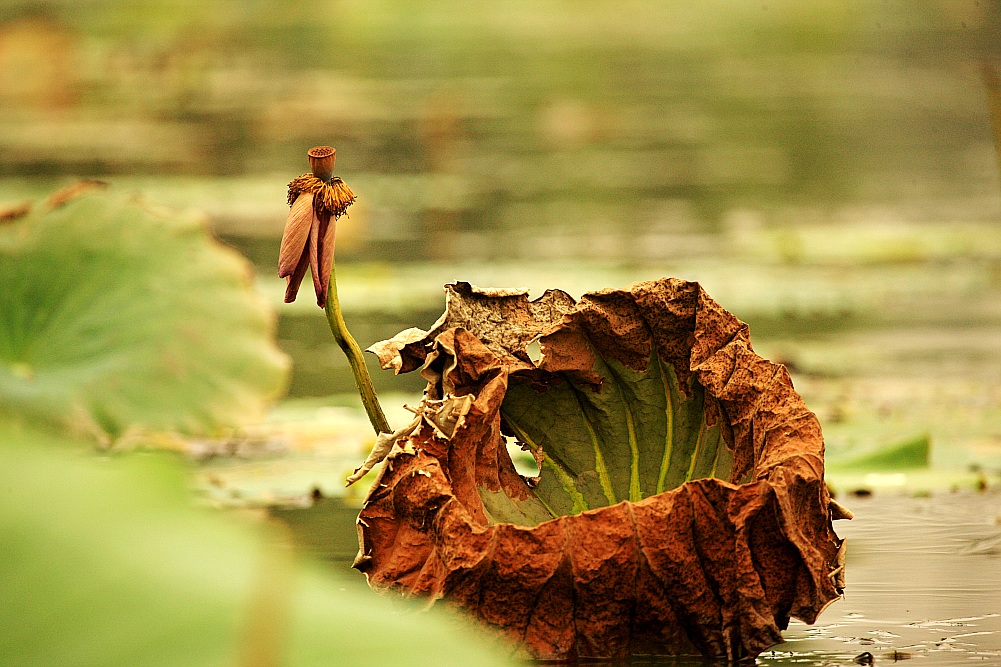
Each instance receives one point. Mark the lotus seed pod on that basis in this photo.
(321, 162)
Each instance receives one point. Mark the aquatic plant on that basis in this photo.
(680, 505)
(117, 316)
(317, 200)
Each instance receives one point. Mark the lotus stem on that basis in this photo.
(351, 350)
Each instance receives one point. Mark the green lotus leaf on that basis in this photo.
(107, 563)
(911, 454)
(115, 315)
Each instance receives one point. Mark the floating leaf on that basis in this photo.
(107, 563)
(628, 542)
(911, 454)
(114, 315)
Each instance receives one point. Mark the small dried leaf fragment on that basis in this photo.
(14, 212)
(384, 443)
(504, 320)
(680, 507)
(67, 194)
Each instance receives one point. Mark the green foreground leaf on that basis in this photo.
(106, 563)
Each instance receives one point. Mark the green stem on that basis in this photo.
(351, 350)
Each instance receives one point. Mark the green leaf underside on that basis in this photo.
(636, 436)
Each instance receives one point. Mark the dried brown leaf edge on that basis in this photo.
(713, 567)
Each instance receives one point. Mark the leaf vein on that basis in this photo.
(665, 462)
(698, 448)
(599, 458)
(635, 492)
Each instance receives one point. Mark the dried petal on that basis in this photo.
(321, 255)
(325, 254)
(297, 226)
(292, 289)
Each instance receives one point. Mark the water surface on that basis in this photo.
(924, 582)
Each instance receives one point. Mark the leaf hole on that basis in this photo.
(523, 460)
(534, 352)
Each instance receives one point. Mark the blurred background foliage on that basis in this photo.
(467, 121)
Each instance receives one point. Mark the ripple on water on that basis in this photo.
(924, 581)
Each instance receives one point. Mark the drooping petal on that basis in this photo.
(325, 254)
(300, 218)
(294, 280)
(314, 255)
(321, 232)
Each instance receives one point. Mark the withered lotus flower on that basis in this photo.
(317, 199)
(680, 507)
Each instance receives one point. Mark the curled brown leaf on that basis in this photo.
(681, 505)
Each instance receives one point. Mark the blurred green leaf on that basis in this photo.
(912, 454)
(114, 315)
(106, 563)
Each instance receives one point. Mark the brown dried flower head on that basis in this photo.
(317, 200)
(321, 161)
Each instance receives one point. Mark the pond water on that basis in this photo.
(923, 582)
(882, 351)
(828, 172)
